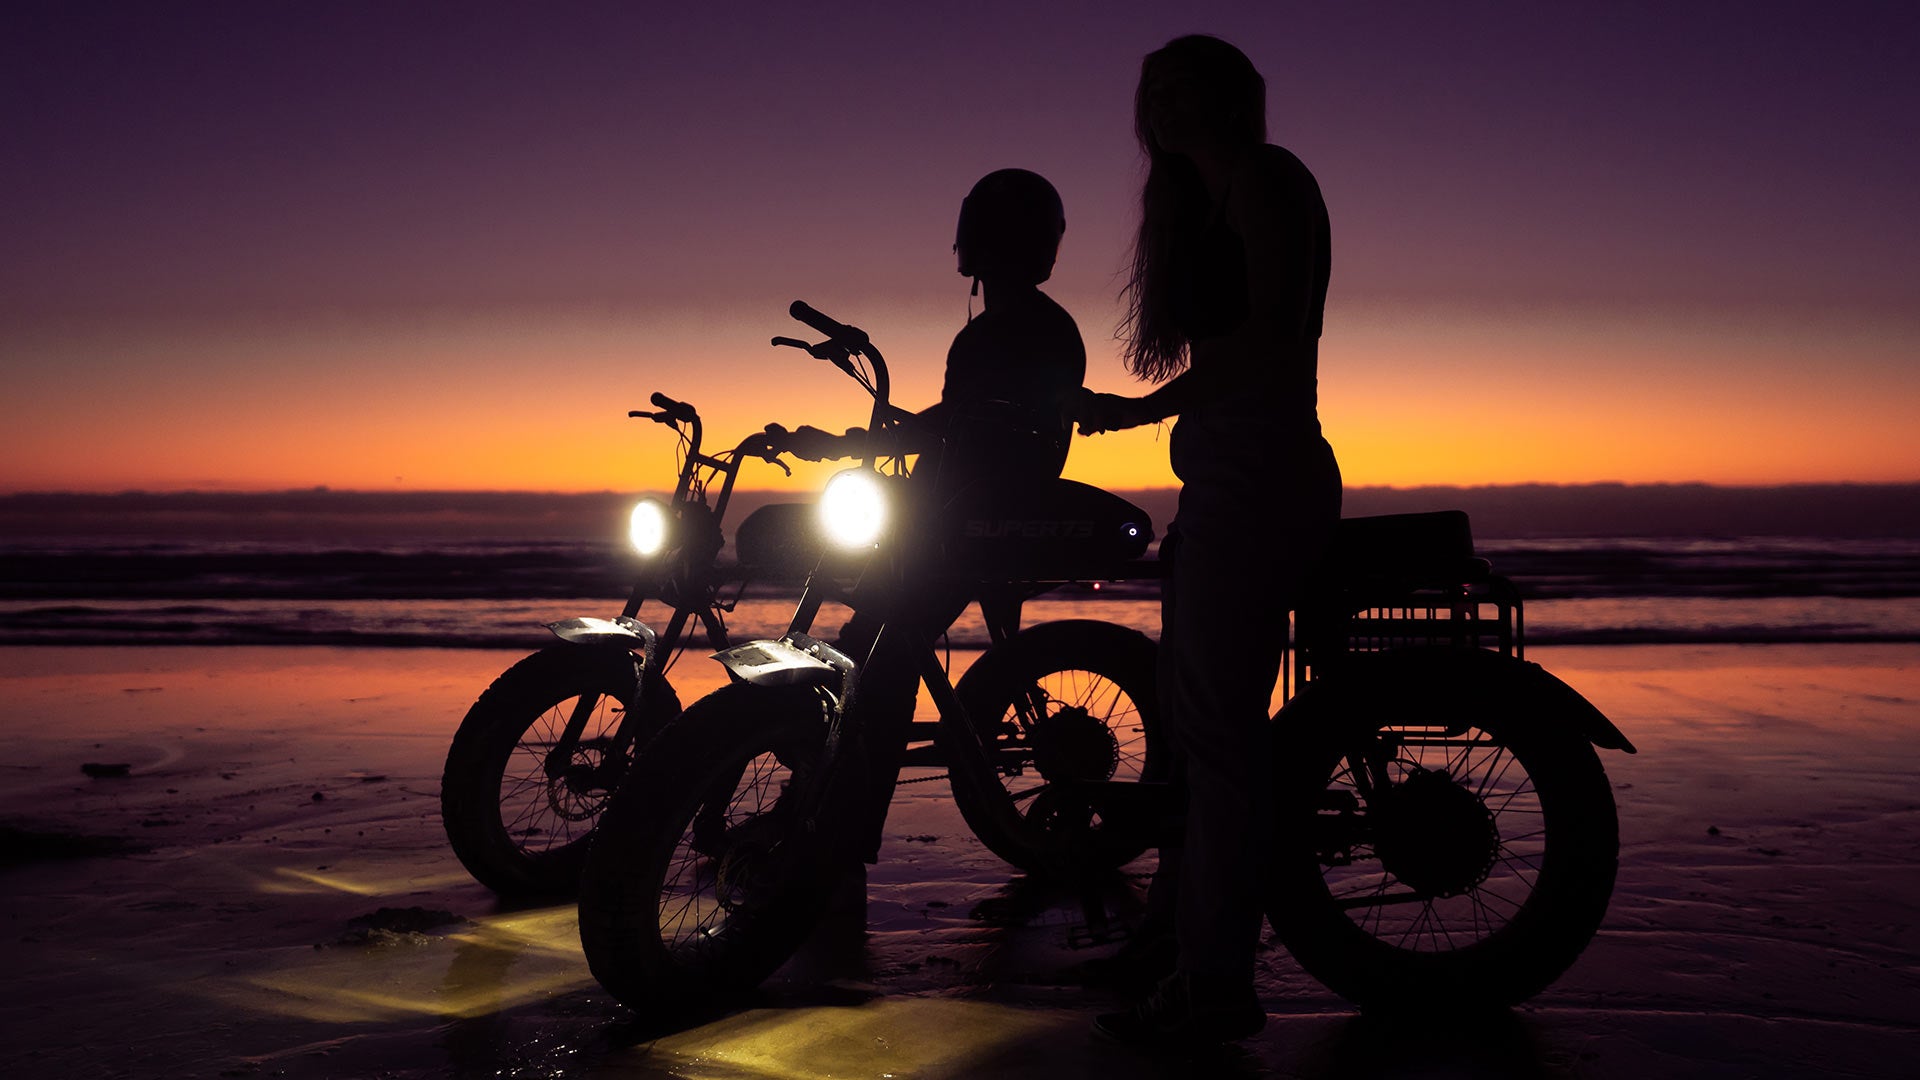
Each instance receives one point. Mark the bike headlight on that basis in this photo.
(647, 528)
(853, 509)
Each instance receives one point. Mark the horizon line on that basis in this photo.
(327, 489)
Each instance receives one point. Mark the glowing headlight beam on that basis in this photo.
(853, 509)
(647, 528)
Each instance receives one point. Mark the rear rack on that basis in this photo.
(1363, 617)
(1403, 581)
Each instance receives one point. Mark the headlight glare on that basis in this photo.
(853, 509)
(647, 528)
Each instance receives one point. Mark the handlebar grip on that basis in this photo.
(808, 443)
(678, 411)
(840, 332)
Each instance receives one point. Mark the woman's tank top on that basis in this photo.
(1270, 417)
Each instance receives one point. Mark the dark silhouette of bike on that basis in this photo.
(535, 758)
(534, 761)
(1446, 835)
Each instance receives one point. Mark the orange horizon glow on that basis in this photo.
(237, 270)
(538, 403)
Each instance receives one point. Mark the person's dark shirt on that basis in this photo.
(1011, 371)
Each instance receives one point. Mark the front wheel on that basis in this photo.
(518, 811)
(1428, 864)
(715, 858)
(1059, 703)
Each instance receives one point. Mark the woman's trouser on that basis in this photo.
(1242, 554)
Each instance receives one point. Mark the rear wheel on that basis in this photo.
(516, 810)
(705, 875)
(1057, 703)
(1443, 867)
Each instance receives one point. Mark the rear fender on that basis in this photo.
(1455, 687)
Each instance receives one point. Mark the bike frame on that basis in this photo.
(690, 581)
(797, 658)
(1453, 610)
(1408, 642)
(693, 580)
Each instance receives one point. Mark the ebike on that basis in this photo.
(1445, 838)
(533, 763)
(1445, 835)
(715, 854)
(535, 757)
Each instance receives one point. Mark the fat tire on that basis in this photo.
(643, 830)
(484, 745)
(1560, 916)
(1124, 657)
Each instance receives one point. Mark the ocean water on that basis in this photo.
(500, 594)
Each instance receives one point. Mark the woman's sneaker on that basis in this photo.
(1185, 1011)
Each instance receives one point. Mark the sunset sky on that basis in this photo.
(438, 246)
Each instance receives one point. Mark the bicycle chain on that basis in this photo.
(920, 780)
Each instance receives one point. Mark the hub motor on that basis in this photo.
(580, 791)
(1072, 745)
(1434, 834)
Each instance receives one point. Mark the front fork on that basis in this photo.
(870, 724)
(635, 636)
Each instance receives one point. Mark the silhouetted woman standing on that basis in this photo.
(1224, 310)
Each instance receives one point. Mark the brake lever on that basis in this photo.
(832, 352)
(826, 350)
(656, 417)
(771, 454)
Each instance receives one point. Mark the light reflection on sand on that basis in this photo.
(489, 965)
(1767, 920)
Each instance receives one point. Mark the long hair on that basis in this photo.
(1226, 89)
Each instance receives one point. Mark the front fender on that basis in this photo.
(1456, 687)
(619, 630)
(793, 660)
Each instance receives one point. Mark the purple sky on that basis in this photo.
(1502, 177)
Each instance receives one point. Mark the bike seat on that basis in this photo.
(1409, 549)
(1041, 528)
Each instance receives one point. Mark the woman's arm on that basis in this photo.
(1274, 206)
(1098, 412)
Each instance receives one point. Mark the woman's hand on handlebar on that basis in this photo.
(1096, 412)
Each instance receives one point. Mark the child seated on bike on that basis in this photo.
(1011, 370)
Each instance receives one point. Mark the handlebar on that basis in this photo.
(763, 445)
(671, 411)
(851, 336)
(841, 341)
(808, 443)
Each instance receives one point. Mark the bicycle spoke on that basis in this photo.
(1369, 891)
(691, 914)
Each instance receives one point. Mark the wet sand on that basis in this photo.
(210, 917)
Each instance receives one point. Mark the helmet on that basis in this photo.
(1010, 228)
